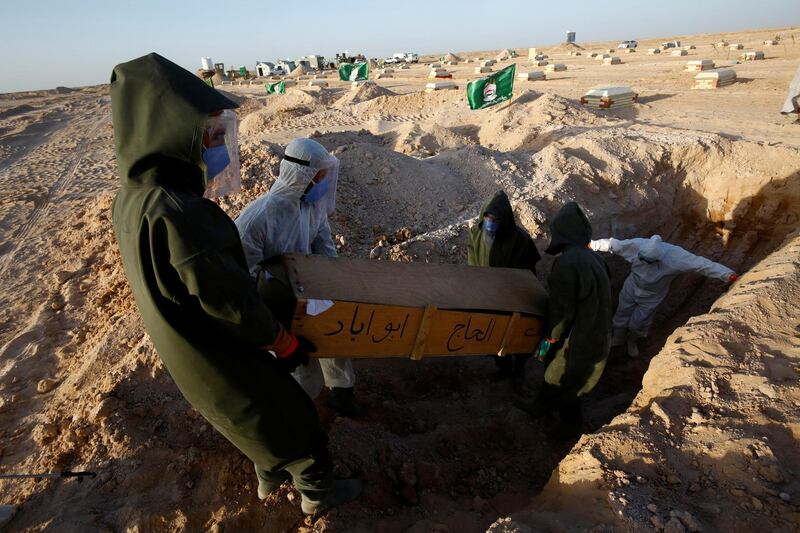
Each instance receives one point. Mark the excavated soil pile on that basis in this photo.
(707, 441)
(362, 93)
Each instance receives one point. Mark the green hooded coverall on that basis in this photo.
(578, 318)
(187, 271)
(512, 248)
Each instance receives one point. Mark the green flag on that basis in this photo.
(278, 87)
(353, 72)
(491, 90)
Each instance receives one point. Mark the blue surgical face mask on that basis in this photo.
(216, 159)
(316, 192)
(490, 225)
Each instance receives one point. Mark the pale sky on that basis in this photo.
(47, 43)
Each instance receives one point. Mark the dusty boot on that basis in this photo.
(633, 347)
(618, 337)
(341, 492)
(342, 400)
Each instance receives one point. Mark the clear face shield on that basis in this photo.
(322, 190)
(221, 155)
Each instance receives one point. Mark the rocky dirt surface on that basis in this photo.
(699, 433)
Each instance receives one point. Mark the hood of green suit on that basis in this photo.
(500, 207)
(159, 110)
(570, 227)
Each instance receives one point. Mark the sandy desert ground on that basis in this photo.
(699, 434)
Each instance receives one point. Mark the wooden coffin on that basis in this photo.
(392, 309)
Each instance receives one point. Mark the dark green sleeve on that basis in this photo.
(532, 254)
(226, 293)
(563, 288)
(201, 245)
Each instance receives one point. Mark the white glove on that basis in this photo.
(603, 245)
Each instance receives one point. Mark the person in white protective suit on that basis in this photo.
(293, 217)
(654, 264)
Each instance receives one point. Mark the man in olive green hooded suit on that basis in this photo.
(188, 274)
(497, 241)
(577, 333)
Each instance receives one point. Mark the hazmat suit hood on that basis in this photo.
(570, 227)
(652, 249)
(302, 160)
(159, 110)
(280, 221)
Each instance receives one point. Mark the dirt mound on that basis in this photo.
(564, 48)
(362, 93)
(219, 78)
(237, 98)
(281, 108)
(505, 54)
(249, 105)
(526, 122)
(452, 57)
(299, 70)
(419, 103)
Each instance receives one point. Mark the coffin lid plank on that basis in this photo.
(445, 286)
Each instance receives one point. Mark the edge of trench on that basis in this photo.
(644, 458)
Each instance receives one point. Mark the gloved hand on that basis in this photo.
(299, 356)
(602, 245)
(733, 277)
(542, 349)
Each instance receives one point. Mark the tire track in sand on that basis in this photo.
(317, 121)
(58, 186)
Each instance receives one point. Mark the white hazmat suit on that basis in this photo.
(654, 264)
(283, 221)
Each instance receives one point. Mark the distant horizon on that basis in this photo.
(81, 51)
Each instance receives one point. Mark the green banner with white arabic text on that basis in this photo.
(491, 90)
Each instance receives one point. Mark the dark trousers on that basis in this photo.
(553, 399)
(312, 475)
(511, 364)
